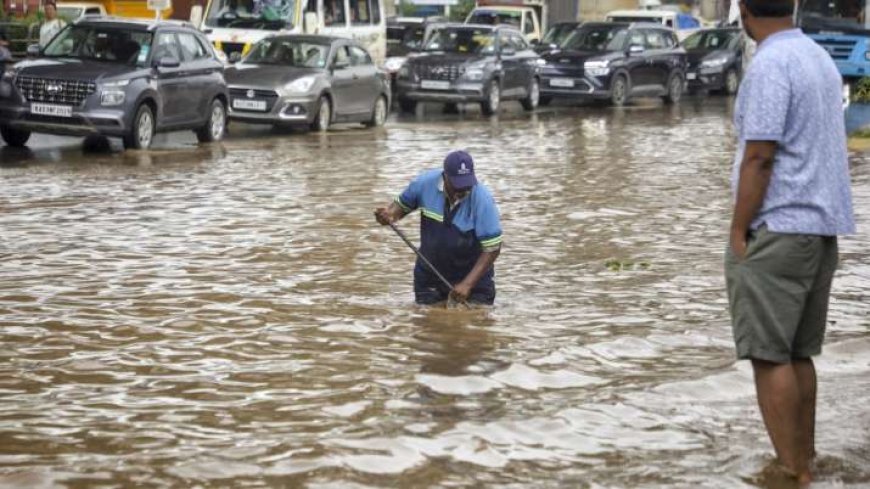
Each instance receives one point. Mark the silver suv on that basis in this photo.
(120, 78)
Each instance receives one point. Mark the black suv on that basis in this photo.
(614, 61)
(116, 77)
(471, 63)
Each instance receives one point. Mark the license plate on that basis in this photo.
(435, 85)
(562, 82)
(52, 110)
(691, 76)
(243, 104)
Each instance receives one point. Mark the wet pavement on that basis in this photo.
(231, 316)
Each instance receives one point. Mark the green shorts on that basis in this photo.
(778, 294)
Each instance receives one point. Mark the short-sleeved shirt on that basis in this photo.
(452, 238)
(792, 95)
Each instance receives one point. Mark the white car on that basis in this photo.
(72, 11)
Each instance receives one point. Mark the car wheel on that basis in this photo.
(732, 82)
(542, 101)
(675, 90)
(407, 105)
(17, 138)
(141, 134)
(216, 126)
(323, 118)
(493, 99)
(379, 113)
(619, 90)
(534, 98)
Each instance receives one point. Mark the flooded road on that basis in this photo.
(231, 316)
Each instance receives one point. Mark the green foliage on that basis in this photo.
(460, 11)
(861, 91)
(615, 265)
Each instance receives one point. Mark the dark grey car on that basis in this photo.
(117, 77)
(306, 80)
(465, 63)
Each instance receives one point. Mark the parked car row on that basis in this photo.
(132, 79)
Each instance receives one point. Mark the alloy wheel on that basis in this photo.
(324, 114)
(494, 96)
(380, 112)
(145, 129)
(218, 121)
(732, 82)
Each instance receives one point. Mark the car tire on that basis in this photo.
(533, 99)
(17, 138)
(732, 82)
(675, 90)
(323, 117)
(407, 105)
(379, 113)
(216, 125)
(493, 99)
(543, 101)
(619, 90)
(141, 133)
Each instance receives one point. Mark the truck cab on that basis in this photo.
(527, 16)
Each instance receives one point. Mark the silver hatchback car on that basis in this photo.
(307, 80)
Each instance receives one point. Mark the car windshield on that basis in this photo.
(834, 13)
(112, 45)
(558, 33)
(405, 37)
(69, 13)
(597, 38)
(631, 19)
(289, 52)
(709, 41)
(462, 40)
(251, 14)
(495, 17)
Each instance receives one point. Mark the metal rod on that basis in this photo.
(428, 264)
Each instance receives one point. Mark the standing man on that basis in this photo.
(52, 24)
(460, 232)
(792, 199)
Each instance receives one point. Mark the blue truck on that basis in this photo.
(841, 27)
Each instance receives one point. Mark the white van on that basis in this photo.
(682, 24)
(528, 16)
(236, 25)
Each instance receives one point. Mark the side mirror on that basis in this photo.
(310, 23)
(33, 51)
(168, 61)
(235, 57)
(636, 49)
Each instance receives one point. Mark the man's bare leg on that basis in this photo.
(805, 371)
(779, 399)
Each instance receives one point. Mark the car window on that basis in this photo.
(529, 27)
(92, 11)
(341, 56)
(358, 56)
(637, 38)
(376, 11)
(360, 14)
(333, 13)
(165, 44)
(191, 48)
(654, 40)
(106, 44)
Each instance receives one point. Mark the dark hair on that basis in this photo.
(770, 8)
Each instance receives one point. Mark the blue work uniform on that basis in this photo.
(452, 239)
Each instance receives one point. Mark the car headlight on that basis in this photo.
(474, 74)
(404, 72)
(714, 63)
(300, 85)
(596, 68)
(394, 64)
(112, 93)
(8, 74)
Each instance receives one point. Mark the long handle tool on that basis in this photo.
(426, 261)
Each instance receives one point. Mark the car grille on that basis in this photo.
(439, 72)
(270, 96)
(839, 49)
(52, 90)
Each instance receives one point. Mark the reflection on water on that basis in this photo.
(230, 315)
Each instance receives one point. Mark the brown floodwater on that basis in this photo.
(231, 316)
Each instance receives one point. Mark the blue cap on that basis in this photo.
(459, 168)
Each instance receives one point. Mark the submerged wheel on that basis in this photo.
(534, 97)
(675, 90)
(379, 113)
(324, 116)
(141, 134)
(619, 91)
(216, 125)
(732, 82)
(493, 99)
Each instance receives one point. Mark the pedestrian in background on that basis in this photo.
(52, 24)
(792, 198)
